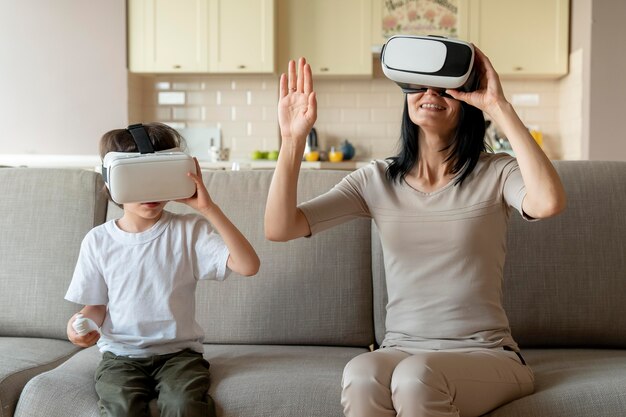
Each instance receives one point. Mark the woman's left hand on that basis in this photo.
(489, 94)
(545, 195)
(201, 200)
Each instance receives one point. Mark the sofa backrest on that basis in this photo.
(315, 291)
(564, 277)
(44, 215)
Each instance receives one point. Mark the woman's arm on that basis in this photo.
(243, 258)
(545, 196)
(297, 112)
(95, 313)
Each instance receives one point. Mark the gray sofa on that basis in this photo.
(278, 342)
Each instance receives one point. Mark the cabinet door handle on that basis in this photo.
(241, 67)
(518, 68)
(324, 69)
(177, 67)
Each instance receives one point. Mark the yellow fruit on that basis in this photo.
(312, 156)
(335, 156)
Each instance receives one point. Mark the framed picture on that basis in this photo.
(422, 17)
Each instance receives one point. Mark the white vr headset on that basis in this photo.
(417, 63)
(147, 176)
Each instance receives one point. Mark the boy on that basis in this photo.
(137, 277)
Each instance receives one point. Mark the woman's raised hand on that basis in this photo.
(489, 94)
(297, 106)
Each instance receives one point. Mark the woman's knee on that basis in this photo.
(372, 368)
(357, 371)
(419, 375)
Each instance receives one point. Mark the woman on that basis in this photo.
(441, 206)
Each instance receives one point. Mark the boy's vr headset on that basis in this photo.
(417, 63)
(147, 176)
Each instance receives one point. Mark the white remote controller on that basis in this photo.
(83, 325)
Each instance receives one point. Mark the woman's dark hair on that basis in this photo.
(464, 150)
(161, 135)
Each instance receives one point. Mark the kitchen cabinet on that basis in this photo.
(168, 35)
(333, 35)
(448, 18)
(242, 34)
(522, 38)
(201, 36)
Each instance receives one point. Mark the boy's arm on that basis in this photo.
(95, 313)
(243, 258)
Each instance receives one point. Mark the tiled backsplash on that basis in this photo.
(365, 112)
(244, 107)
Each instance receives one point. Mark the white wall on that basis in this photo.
(63, 75)
(607, 88)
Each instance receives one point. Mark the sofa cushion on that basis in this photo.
(573, 383)
(565, 276)
(278, 381)
(315, 291)
(246, 380)
(44, 215)
(21, 359)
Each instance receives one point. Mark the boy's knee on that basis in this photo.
(185, 403)
(173, 405)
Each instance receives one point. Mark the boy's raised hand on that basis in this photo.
(201, 200)
(297, 105)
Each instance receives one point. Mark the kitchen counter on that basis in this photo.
(93, 162)
(265, 164)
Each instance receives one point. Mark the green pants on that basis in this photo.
(179, 381)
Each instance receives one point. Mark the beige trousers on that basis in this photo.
(458, 383)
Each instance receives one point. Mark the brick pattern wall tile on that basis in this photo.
(365, 112)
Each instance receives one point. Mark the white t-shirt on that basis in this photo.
(147, 281)
(444, 251)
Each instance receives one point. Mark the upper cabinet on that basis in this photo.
(234, 36)
(243, 36)
(447, 18)
(333, 35)
(168, 35)
(522, 38)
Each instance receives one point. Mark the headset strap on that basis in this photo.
(140, 136)
(105, 174)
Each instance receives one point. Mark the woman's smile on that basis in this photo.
(432, 106)
(430, 111)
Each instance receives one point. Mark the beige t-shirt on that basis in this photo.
(444, 251)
